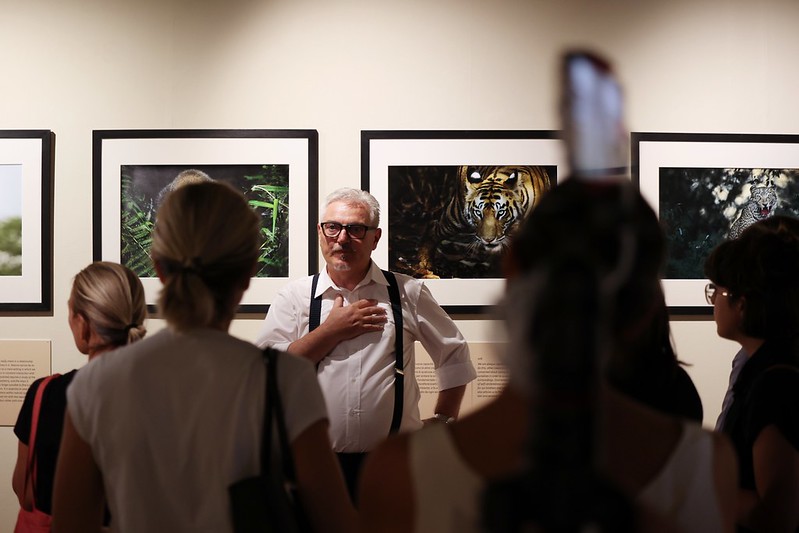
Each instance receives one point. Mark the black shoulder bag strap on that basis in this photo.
(396, 308)
(275, 406)
(292, 517)
(399, 371)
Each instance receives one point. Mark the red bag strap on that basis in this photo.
(30, 467)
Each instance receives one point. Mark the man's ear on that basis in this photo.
(378, 233)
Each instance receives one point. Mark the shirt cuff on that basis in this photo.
(455, 375)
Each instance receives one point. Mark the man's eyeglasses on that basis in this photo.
(355, 231)
(711, 292)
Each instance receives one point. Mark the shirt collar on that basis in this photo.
(373, 275)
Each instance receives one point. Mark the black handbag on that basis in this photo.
(269, 502)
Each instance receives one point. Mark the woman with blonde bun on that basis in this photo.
(106, 311)
(163, 428)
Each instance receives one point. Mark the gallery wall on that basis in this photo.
(342, 66)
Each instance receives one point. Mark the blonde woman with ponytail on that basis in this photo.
(106, 311)
(162, 428)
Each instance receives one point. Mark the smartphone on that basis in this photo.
(597, 141)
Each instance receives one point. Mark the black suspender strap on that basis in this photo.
(314, 318)
(316, 306)
(399, 371)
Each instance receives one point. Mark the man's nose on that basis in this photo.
(343, 235)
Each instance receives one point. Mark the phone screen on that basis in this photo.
(596, 138)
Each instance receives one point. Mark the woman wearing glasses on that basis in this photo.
(754, 291)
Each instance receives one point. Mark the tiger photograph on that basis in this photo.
(449, 222)
(701, 207)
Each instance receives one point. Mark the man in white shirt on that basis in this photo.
(354, 344)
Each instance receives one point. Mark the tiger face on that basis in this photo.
(497, 199)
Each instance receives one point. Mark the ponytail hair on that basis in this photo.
(205, 245)
(111, 297)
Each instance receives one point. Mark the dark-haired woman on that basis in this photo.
(754, 290)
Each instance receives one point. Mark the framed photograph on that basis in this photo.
(276, 170)
(451, 199)
(27, 163)
(707, 188)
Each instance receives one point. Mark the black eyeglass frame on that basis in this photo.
(355, 231)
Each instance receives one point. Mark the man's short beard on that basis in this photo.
(341, 266)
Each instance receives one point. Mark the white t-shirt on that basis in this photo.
(357, 377)
(176, 418)
(448, 493)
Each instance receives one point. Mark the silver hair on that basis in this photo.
(355, 196)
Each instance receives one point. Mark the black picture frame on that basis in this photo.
(699, 184)
(385, 151)
(125, 161)
(27, 160)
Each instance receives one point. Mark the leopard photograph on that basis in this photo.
(701, 207)
(457, 221)
(762, 202)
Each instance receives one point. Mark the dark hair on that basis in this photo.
(761, 267)
(594, 224)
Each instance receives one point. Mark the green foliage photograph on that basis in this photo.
(264, 186)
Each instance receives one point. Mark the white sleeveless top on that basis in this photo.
(448, 492)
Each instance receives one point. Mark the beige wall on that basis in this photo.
(342, 66)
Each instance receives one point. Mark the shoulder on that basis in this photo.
(298, 283)
(296, 290)
(101, 370)
(686, 401)
(34, 387)
(772, 401)
(414, 290)
(57, 388)
(724, 456)
(776, 386)
(407, 283)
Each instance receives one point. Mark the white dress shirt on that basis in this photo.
(357, 377)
